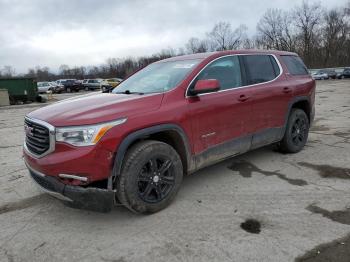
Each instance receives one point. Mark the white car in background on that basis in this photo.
(43, 87)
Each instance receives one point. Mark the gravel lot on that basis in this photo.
(297, 206)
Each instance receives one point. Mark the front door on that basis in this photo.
(219, 119)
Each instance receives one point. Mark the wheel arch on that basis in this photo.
(301, 102)
(171, 134)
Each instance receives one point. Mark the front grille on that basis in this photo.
(37, 137)
(43, 182)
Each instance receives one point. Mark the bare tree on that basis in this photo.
(64, 70)
(334, 38)
(307, 18)
(275, 30)
(195, 45)
(249, 43)
(31, 73)
(42, 74)
(181, 51)
(223, 37)
(167, 52)
(8, 71)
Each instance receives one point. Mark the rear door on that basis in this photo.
(271, 95)
(219, 119)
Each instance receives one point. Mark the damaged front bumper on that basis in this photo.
(89, 198)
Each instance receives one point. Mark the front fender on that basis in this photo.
(131, 138)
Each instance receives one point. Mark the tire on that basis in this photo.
(149, 166)
(296, 133)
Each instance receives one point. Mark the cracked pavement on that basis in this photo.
(301, 201)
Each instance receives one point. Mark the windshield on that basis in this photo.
(157, 77)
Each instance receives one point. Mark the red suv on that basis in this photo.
(169, 119)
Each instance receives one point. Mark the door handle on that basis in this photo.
(243, 98)
(287, 89)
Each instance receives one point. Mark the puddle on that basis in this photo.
(22, 204)
(337, 250)
(328, 171)
(251, 226)
(340, 216)
(246, 169)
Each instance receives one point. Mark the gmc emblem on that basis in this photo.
(28, 130)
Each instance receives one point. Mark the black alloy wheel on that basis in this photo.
(296, 132)
(156, 180)
(150, 178)
(299, 131)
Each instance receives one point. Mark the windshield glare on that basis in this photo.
(157, 77)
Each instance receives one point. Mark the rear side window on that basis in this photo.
(260, 68)
(295, 65)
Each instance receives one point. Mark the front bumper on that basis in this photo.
(89, 198)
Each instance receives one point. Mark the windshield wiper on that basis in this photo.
(128, 92)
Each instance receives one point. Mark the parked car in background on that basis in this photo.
(92, 84)
(84, 82)
(169, 119)
(344, 74)
(43, 87)
(320, 75)
(60, 81)
(331, 73)
(107, 85)
(71, 85)
(57, 88)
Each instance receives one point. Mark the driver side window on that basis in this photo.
(226, 70)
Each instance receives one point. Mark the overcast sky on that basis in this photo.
(86, 32)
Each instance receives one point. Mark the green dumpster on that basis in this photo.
(20, 89)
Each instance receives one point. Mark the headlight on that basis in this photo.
(85, 135)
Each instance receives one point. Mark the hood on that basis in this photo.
(96, 108)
